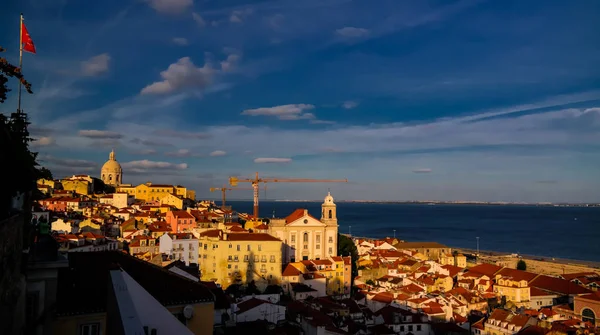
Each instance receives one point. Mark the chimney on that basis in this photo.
(305, 211)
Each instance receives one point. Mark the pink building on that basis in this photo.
(180, 221)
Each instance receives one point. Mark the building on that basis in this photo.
(182, 246)
(83, 297)
(79, 184)
(111, 172)
(333, 272)
(119, 200)
(305, 237)
(180, 221)
(432, 250)
(239, 258)
(588, 307)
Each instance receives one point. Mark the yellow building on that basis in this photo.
(459, 260)
(172, 200)
(432, 250)
(48, 182)
(239, 258)
(126, 188)
(515, 290)
(78, 186)
(191, 194)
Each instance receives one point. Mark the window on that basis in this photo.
(318, 246)
(230, 246)
(410, 328)
(246, 258)
(229, 258)
(418, 328)
(305, 237)
(330, 250)
(330, 213)
(259, 247)
(330, 239)
(238, 247)
(248, 247)
(318, 238)
(293, 238)
(272, 258)
(305, 246)
(90, 329)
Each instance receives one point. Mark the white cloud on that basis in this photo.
(180, 41)
(153, 165)
(182, 134)
(95, 65)
(229, 64)
(100, 134)
(44, 141)
(198, 19)
(66, 162)
(170, 7)
(422, 170)
(272, 160)
(350, 104)
(283, 112)
(182, 75)
(218, 153)
(237, 16)
(182, 153)
(352, 32)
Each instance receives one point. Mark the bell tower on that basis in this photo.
(328, 211)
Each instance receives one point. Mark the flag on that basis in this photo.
(26, 41)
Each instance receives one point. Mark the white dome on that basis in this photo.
(328, 199)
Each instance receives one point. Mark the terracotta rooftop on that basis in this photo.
(561, 286)
(420, 245)
(297, 214)
(486, 269)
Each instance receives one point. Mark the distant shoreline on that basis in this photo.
(418, 202)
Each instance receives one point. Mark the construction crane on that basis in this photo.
(224, 192)
(233, 181)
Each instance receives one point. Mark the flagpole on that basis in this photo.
(20, 61)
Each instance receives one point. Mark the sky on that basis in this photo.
(408, 100)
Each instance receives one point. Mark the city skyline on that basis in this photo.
(449, 100)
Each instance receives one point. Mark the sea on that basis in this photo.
(545, 231)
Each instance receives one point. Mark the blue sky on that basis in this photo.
(409, 100)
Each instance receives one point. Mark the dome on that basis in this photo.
(329, 198)
(111, 165)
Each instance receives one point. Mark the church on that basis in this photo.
(306, 237)
(111, 172)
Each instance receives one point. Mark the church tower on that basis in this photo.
(328, 211)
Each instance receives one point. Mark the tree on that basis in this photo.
(370, 282)
(346, 247)
(23, 171)
(521, 265)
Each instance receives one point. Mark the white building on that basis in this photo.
(180, 246)
(119, 200)
(306, 237)
(258, 309)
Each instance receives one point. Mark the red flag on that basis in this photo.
(26, 41)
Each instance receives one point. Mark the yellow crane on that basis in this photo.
(224, 192)
(233, 181)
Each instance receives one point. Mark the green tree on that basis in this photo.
(346, 247)
(521, 265)
(24, 171)
(370, 282)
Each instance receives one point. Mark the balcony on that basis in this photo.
(263, 270)
(272, 260)
(264, 260)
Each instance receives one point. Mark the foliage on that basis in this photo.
(7, 71)
(346, 247)
(370, 282)
(521, 265)
(23, 170)
(251, 288)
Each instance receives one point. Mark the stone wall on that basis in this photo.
(12, 281)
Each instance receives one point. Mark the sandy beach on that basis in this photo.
(536, 264)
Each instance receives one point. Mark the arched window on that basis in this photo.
(330, 213)
(103, 177)
(117, 178)
(305, 237)
(588, 315)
